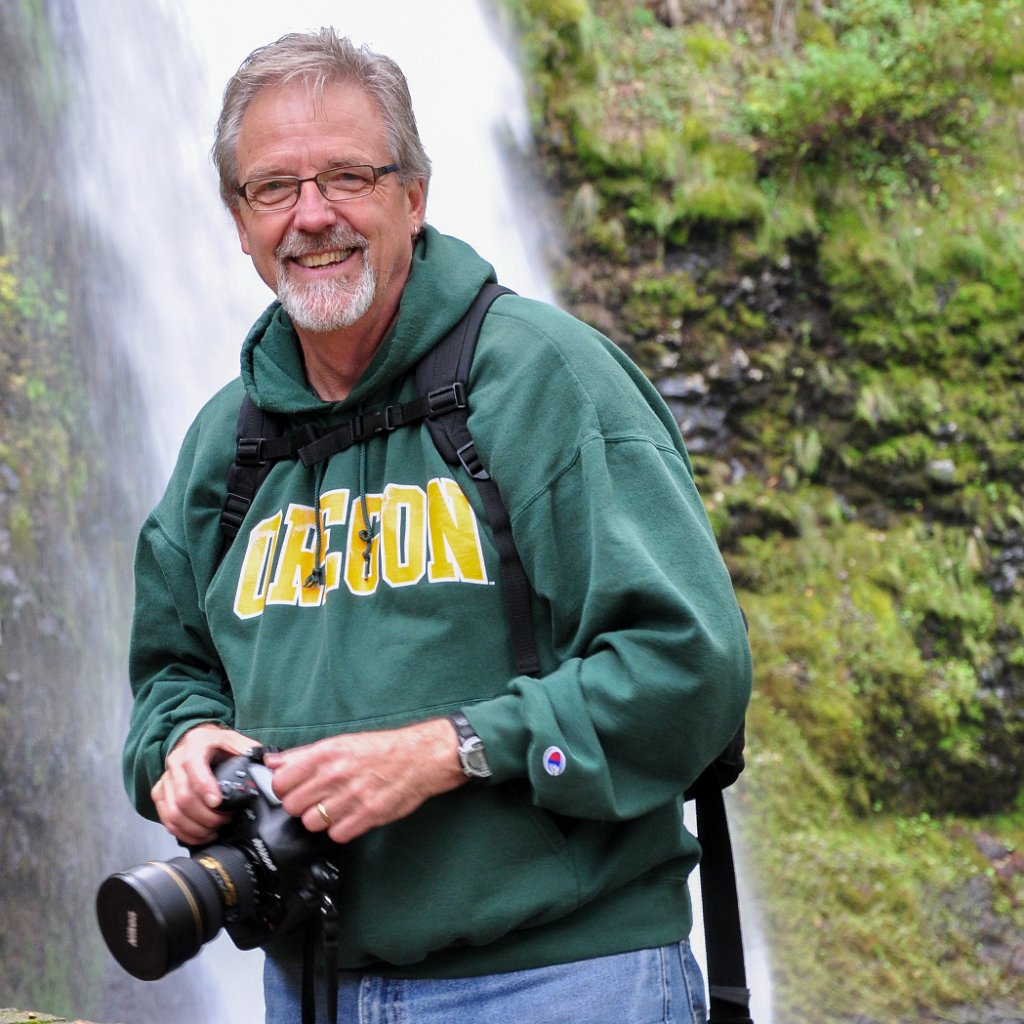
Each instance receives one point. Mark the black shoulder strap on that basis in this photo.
(259, 443)
(446, 364)
(729, 997)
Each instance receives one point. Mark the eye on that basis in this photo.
(347, 179)
(269, 191)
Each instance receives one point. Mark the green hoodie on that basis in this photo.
(575, 848)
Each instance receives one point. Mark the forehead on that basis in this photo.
(287, 129)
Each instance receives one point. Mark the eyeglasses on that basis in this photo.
(335, 184)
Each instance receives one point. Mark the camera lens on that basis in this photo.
(156, 916)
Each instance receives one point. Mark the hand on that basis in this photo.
(187, 795)
(366, 779)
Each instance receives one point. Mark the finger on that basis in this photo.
(342, 827)
(195, 799)
(290, 769)
(198, 781)
(301, 778)
(185, 815)
(318, 818)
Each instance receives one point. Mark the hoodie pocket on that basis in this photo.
(465, 869)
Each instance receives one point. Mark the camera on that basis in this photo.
(263, 876)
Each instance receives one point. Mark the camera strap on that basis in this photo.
(324, 927)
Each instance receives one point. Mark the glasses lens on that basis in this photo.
(346, 182)
(271, 193)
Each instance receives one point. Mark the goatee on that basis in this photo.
(329, 304)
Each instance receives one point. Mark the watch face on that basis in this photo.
(474, 760)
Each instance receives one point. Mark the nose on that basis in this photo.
(313, 211)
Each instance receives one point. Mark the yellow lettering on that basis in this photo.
(455, 549)
(253, 580)
(404, 534)
(334, 510)
(298, 553)
(296, 561)
(413, 533)
(362, 572)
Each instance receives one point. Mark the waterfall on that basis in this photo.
(193, 294)
(178, 295)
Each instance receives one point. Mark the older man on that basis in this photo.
(355, 623)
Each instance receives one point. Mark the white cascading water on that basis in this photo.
(158, 69)
(188, 295)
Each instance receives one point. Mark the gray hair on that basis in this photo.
(320, 59)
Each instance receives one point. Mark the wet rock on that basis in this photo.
(30, 1017)
(1005, 566)
(690, 387)
(942, 472)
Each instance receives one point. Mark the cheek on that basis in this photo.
(261, 251)
(260, 246)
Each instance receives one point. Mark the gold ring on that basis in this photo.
(328, 820)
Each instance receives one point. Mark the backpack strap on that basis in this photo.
(259, 443)
(729, 997)
(446, 366)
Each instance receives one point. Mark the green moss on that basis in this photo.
(825, 227)
(39, 399)
(891, 904)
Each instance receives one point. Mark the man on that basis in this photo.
(552, 883)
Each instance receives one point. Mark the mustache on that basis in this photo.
(301, 243)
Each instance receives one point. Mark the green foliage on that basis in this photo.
(867, 899)
(873, 643)
(558, 37)
(817, 233)
(895, 98)
(37, 406)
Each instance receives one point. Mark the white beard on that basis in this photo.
(329, 305)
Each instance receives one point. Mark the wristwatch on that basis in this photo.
(471, 749)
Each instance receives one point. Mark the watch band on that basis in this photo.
(471, 748)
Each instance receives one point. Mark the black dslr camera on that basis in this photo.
(265, 875)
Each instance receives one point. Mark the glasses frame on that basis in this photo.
(378, 172)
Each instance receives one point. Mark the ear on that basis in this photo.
(243, 235)
(416, 197)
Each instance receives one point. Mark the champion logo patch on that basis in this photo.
(554, 761)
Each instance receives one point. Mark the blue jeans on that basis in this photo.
(650, 986)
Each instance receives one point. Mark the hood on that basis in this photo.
(445, 276)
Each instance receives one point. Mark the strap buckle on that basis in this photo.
(471, 461)
(249, 451)
(233, 513)
(447, 399)
(392, 419)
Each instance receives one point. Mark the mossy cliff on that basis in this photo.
(804, 221)
(63, 559)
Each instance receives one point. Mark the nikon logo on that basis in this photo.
(132, 931)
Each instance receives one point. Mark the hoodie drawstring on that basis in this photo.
(371, 527)
(370, 530)
(318, 577)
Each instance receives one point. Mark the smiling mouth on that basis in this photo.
(323, 259)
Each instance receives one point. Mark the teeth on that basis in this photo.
(322, 259)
